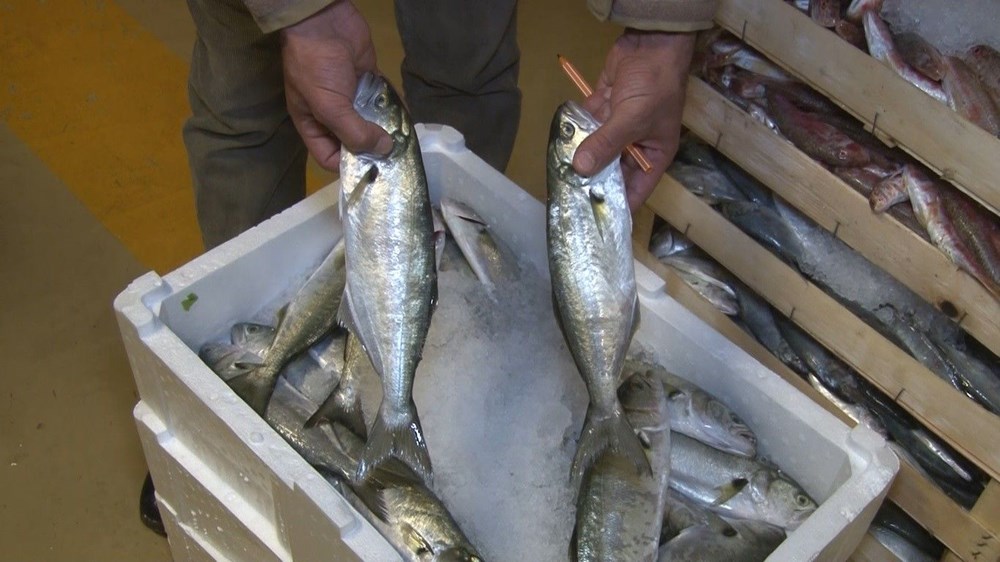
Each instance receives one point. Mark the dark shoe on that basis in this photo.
(149, 513)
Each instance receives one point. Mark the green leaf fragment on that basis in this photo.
(189, 301)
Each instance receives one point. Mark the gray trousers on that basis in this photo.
(247, 160)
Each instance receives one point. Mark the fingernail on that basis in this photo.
(584, 162)
(384, 145)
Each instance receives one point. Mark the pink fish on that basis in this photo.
(825, 12)
(968, 97)
(921, 55)
(882, 48)
(822, 141)
(985, 62)
(888, 192)
(852, 33)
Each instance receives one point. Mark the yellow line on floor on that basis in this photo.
(101, 101)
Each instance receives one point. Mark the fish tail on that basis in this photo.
(402, 438)
(608, 432)
(341, 408)
(255, 386)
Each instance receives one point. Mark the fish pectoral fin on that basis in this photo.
(600, 210)
(729, 490)
(345, 316)
(415, 541)
(358, 192)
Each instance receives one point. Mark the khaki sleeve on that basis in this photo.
(656, 15)
(272, 15)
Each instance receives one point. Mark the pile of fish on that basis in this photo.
(874, 296)
(968, 82)
(645, 431)
(967, 233)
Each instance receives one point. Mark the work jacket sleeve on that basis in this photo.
(272, 15)
(656, 15)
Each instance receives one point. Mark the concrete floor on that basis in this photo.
(95, 191)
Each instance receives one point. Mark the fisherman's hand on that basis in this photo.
(323, 56)
(639, 98)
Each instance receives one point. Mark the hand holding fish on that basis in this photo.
(639, 98)
(323, 56)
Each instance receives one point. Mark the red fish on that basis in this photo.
(882, 48)
(818, 139)
(968, 97)
(921, 55)
(985, 62)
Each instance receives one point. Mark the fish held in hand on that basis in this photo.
(391, 283)
(619, 512)
(311, 313)
(588, 232)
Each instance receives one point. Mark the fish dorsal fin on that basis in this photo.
(415, 540)
(366, 179)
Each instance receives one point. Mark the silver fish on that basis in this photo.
(391, 285)
(697, 414)
(736, 486)
(225, 359)
(668, 242)
(473, 237)
(343, 405)
(619, 512)
(593, 283)
(310, 315)
(902, 549)
(708, 279)
(405, 511)
(253, 337)
(695, 534)
(408, 514)
(759, 319)
(710, 185)
(856, 412)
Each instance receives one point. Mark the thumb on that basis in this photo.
(602, 146)
(355, 133)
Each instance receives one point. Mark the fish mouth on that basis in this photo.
(577, 114)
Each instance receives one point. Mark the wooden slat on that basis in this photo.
(642, 226)
(835, 206)
(971, 430)
(945, 141)
(953, 526)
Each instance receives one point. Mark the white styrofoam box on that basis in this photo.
(235, 490)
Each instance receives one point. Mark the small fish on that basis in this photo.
(921, 55)
(253, 337)
(391, 286)
(343, 405)
(707, 278)
(857, 412)
(891, 517)
(225, 359)
(968, 97)
(825, 12)
(736, 486)
(980, 230)
(478, 246)
(766, 225)
(902, 549)
(669, 242)
(710, 185)
(888, 192)
(695, 534)
(588, 233)
(985, 62)
(308, 317)
(619, 512)
(926, 198)
(828, 368)
(759, 319)
(818, 139)
(882, 48)
(697, 414)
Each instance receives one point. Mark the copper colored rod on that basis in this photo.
(587, 91)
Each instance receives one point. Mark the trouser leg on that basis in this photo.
(247, 160)
(460, 68)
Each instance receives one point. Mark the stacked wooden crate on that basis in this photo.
(901, 115)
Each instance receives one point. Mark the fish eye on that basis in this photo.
(802, 501)
(381, 101)
(566, 131)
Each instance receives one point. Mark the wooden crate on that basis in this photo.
(897, 111)
(968, 534)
